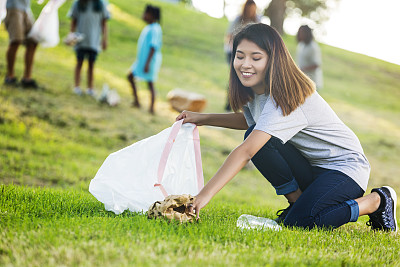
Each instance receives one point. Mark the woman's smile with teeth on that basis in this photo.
(247, 74)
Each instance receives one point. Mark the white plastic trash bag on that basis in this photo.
(45, 29)
(3, 10)
(73, 38)
(135, 177)
(111, 97)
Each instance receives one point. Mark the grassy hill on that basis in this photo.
(52, 142)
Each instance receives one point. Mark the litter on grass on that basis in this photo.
(247, 221)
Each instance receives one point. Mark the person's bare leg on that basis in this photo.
(90, 74)
(131, 80)
(29, 57)
(11, 55)
(77, 75)
(153, 97)
(369, 203)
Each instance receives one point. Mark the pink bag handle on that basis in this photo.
(167, 149)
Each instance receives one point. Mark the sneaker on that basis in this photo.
(10, 81)
(384, 218)
(282, 213)
(77, 90)
(31, 83)
(91, 92)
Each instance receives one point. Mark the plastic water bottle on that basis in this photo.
(247, 221)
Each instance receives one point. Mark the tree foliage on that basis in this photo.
(316, 10)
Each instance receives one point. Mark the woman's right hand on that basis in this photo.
(192, 117)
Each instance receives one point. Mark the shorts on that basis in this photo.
(18, 24)
(90, 54)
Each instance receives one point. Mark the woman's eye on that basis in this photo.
(256, 59)
(240, 58)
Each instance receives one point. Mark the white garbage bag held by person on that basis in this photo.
(3, 10)
(46, 28)
(168, 163)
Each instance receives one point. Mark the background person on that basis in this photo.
(89, 17)
(19, 21)
(248, 15)
(294, 139)
(309, 55)
(148, 58)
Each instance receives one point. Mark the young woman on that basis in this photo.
(149, 56)
(309, 55)
(248, 15)
(295, 140)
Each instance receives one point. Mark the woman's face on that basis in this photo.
(250, 64)
(251, 11)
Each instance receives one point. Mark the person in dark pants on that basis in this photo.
(294, 139)
(89, 17)
(19, 21)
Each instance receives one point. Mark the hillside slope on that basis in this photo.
(52, 137)
(52, 143)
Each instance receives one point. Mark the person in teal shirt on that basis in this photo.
(148, 58)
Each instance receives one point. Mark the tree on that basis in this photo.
(316, 10)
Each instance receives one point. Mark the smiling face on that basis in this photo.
(250, 64)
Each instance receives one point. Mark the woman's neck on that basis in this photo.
(258, 90)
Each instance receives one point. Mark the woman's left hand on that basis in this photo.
(200, 202)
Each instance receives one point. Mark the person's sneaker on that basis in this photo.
(91, 92)
(31, 83)
(282, 213)
(10, 81)
(384, 218)
(77, 90)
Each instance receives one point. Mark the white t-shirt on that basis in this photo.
(309, 55)
(316, 131)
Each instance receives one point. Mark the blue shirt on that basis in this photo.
(150, 37)
(24, 5)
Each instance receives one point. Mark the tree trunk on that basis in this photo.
(276, 13)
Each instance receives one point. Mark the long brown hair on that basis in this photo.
(286, 84)
(246, 7)
(304, 34)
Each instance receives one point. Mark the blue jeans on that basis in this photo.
(328, 195)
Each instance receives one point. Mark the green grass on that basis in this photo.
(53, 142)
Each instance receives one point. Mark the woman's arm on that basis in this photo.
(225, 120)
(236, 160)
(310, 68)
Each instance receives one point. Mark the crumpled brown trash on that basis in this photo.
(174, 207)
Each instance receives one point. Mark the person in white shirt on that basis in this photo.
(294, 139)
(309, 55)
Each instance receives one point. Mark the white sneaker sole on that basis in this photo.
(394, 197)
